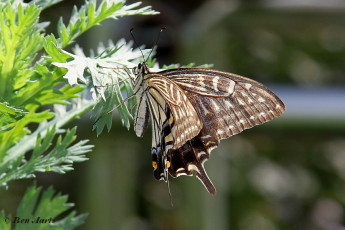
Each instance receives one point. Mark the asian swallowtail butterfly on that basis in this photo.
(191, 110)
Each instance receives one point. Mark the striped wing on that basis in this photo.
(226, 104)
(184, 122)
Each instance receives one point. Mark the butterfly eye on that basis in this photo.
(138, 69)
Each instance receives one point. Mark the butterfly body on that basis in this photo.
(191, 110)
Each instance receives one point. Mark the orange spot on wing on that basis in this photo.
(154, 164)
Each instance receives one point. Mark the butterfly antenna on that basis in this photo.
(135, 42)
(157, 40)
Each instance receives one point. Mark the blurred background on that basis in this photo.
(286, 174)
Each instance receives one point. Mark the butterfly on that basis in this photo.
(191, 110)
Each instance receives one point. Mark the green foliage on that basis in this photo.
(40, 211)
(20, 42)
(9, 115)
(31, 86)
(58, 160)
(87, 16)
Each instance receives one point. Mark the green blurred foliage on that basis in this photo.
(304, 47)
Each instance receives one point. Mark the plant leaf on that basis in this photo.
(8, 116)
(59, 159)
(43, 209)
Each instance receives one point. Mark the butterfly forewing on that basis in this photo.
(231, 104)
(184, 122)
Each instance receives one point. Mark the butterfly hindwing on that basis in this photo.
(185, 160)
(190, 158)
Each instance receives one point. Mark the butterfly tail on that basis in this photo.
(190, 158)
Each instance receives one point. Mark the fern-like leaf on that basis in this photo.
(42, 209)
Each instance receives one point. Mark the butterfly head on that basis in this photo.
(139, 72)
(141, 69)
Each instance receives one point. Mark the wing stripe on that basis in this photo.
(238, 114)
(265, 107)
(246, 111)
(228, 129)
(250, 114)
(228, 120)
(155, 122)
(257, 106)
(244, 121)
(233, 126)
(154, 115)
